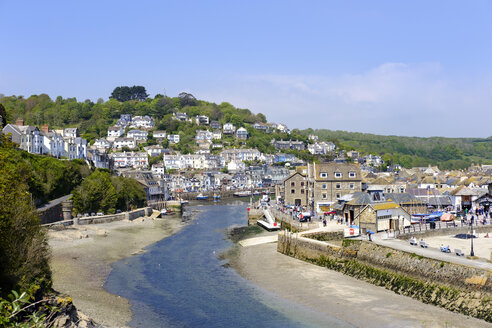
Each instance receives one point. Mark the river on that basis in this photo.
(181, 282)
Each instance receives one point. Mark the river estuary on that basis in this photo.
(181, 282)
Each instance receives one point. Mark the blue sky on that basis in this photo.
(416, 68)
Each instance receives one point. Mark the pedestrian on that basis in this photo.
(324, 222)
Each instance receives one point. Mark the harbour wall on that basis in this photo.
(455, 287)
(131, 215)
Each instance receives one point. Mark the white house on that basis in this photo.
(242, 133)
(144, 122)
(228, 128)
(203, 135)
(160, 135)
(173, 138)
(138, 135)
(154, 150)
(102, 144)
(243, 154)
(115, 132)
(130, 159)
(76, 148)
(158, 169)
(124, 142)
(70, 133)
(217, 135)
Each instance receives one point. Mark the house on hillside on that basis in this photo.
(202, 120)
(242, 133)
(228, 128)
(215, 125)
(159, 135)
(173, 138)
(115, 132)
(142, 122)
(138, 135)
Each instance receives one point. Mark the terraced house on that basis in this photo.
(327, 182)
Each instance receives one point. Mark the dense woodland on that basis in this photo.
(93, 119)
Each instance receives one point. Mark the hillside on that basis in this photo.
(448, 153)
(93, 119)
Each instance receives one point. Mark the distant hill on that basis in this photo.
(448, 153)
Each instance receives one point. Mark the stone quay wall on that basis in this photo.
(452, 286)
(131, 215)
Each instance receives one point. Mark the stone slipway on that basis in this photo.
(259, 240)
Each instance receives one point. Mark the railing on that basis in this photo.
(440, 225)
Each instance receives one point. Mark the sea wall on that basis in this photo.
(452, 286)
(131, 215)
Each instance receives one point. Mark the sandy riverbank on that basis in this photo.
(332, 293)
(82, 259)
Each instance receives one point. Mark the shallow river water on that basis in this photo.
(181, 282)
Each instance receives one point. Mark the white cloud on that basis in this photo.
(393, 98)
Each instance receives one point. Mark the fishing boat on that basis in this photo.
(201, 197)
(245, 193)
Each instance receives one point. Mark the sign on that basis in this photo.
(351, 232)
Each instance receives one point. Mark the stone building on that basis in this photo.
(327, 182)
(295, 190)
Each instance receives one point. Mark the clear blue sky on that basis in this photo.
(419, 68)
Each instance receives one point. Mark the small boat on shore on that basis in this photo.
(165, 211)
(245, 193)
(216, 197)
(200, 196)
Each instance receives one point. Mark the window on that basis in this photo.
(338, 186)
(338, 196)
(302, 191)
(323, 175)
(352, 175)
(323, 196)
(302, 183)
(338, 174)
(352, 186)
(292, 191)
(323, 186)
(292, 184)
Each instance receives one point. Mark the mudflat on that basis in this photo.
(82, 257)
(354, 301)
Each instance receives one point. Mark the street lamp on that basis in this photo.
(472, 253)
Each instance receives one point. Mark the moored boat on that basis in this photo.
(201, 197)
(245, 193)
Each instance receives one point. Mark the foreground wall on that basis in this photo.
(454, 287)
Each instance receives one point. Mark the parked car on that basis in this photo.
(99, 214)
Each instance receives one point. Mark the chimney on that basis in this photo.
(45, 128)
(20, 122)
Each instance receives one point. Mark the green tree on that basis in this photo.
(125, 93)
(3, 116)
(129, 193)
(95, 194)
(24, 250)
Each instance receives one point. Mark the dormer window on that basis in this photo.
(323, 175)
(338, 175)
(352, 175)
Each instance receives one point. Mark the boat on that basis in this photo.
(216, 197)
(165, 211)
(245, 193)
(200, 196)
(425, 217)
